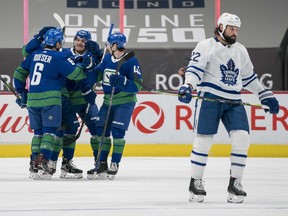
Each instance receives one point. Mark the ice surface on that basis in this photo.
(144, 186)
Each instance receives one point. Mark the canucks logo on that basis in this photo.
(229, 73)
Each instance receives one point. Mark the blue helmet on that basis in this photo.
(83, 34)
(53, 36)
(117, 38)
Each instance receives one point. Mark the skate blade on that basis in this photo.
(66, 175)
(32, 175)
(232, 198)
(101, 176)
(111, 177)
(196, 198)
(41, 175)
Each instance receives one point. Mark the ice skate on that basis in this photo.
(112, 171)
(52, 165)
(33, 168)
(44, 172)
(101, 172)
(235, 191)
(69, 170)
(196, 189)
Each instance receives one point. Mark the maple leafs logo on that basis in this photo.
(229, 73)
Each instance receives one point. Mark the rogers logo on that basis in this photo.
(145, 106)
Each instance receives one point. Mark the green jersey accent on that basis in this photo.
(42, 99)
(21, 74)
(65, 92)
(77, 74)
(24, 53)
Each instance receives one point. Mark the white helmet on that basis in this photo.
(228, 19)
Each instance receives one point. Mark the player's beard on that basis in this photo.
(230, 40)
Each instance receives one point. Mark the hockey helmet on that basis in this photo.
(83, 34)
(117, 38)
(229, 19)
(53, 36)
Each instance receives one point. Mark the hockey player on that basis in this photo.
(219, 68)
(83, 45)
(123, 103)
(47, 69)
(72, 102)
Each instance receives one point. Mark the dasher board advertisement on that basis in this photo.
(157, 119)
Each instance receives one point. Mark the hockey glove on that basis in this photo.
(185, 94)
(89, 96)
(87, 91)
(22, 101)
(41, 33)
(267, 98)
(93, 47)
(77, 59)
(118, 81)
(88, 62)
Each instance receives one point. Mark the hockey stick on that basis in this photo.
(60, 21)
(105, 49)
(120, 63)
(10, 88)
(146, 88)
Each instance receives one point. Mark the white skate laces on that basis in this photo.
(235, 191)
(236, 194)
(112, 171)
(197, 191)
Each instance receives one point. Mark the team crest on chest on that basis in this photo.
(229, 73)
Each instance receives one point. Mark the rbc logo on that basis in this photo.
(146, 108)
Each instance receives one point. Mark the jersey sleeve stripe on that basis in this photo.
(249, 78)
(197, 68)
(247, 83)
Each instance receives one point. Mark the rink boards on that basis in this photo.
(160, 126)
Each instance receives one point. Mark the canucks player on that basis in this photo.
(219, 68)
(47, 69)
(72, 102)
(83, 46)
(123, 103)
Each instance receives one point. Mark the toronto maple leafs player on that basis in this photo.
(219, 68)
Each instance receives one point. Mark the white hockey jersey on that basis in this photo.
(221, 70)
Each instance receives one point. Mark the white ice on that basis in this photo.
(144, 186)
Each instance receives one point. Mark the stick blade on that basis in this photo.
(59, 20)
